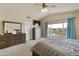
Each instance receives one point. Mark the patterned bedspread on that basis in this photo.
(56, 47)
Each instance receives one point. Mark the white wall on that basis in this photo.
(1, 27)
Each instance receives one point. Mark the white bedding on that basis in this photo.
(66, 46)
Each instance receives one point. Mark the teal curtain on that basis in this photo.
(71, 28)
(46, 29)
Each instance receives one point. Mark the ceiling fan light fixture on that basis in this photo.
(44, 10)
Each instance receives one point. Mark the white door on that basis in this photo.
(28, 27)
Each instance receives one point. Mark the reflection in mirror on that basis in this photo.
(12, 27)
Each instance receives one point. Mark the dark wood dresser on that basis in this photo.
(8, 40)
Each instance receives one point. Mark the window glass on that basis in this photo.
(58, 29)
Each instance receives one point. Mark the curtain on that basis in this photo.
(46, 29)
(71, 28)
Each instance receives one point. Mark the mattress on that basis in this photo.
(57, 47)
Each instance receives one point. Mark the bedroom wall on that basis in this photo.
(1, 27)
(61, 16)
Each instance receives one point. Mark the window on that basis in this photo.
(57, 29)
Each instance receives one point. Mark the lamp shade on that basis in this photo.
(44, 10)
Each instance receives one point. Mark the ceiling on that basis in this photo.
(33, 10)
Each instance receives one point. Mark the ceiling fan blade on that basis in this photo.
(52, 6)
(28, 17)
(44, 4)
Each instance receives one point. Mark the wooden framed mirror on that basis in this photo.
(12, 27)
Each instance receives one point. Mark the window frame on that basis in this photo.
(56, 22)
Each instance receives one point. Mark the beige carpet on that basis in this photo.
(19, 50)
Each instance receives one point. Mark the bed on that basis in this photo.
(56, 47)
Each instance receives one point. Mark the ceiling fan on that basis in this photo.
(45, 6)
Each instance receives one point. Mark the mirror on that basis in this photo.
(12, 27)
